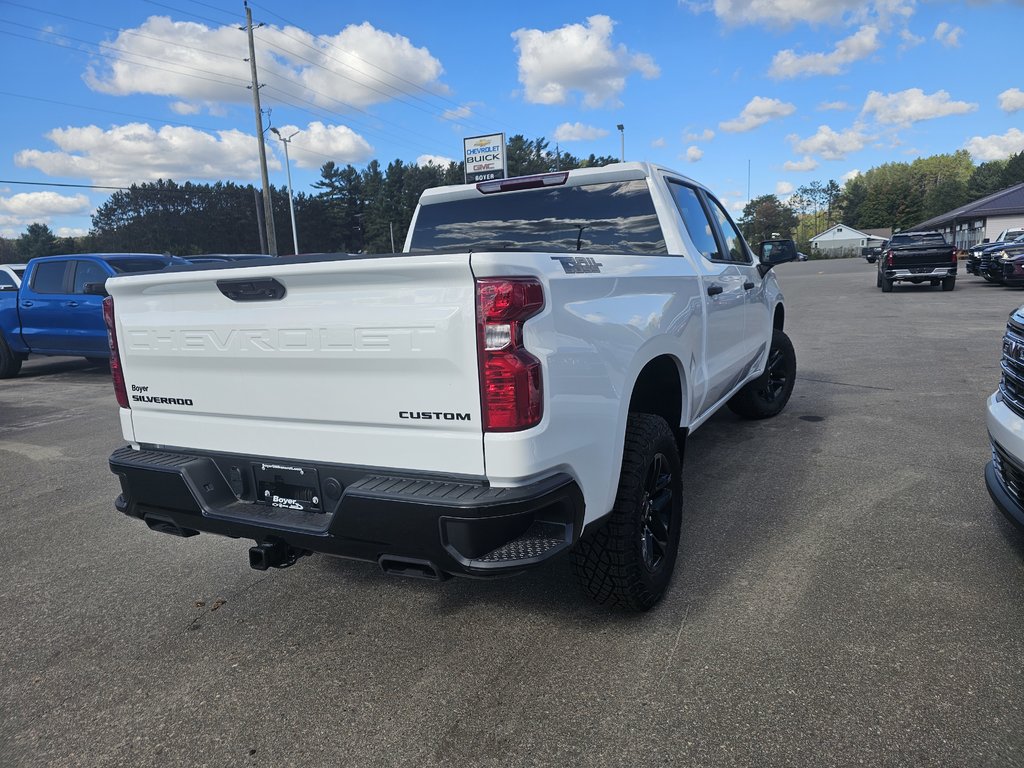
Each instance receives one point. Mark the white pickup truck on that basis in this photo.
(518, 383)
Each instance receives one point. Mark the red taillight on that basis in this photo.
(116, 372)
(510, 380)
(954, 254)
(888, 258)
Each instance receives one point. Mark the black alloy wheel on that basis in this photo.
(656, 514)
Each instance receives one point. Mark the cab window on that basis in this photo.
(48, 277)
(735, 247)
(87, 272)
(695, 219)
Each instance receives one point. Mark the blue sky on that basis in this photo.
(111, 93)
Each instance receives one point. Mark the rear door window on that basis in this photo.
(48, 277)
(617, 217)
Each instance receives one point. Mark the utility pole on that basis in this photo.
(268, 212)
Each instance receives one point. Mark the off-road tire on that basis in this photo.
(949, 283)
(10, 363)
(768, 394)
(627, 558)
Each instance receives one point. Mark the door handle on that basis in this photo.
(714, 290)
(26, 303)
(71, 304)
(747, 286)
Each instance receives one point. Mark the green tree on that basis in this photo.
(1013, 171)
(37, 240)
(986, 179)
(765, 216)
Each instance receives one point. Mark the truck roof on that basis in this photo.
(597, 175)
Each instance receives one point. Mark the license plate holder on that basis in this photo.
(286, 486)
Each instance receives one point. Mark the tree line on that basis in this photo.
(369, 210)
(348, 210)
(892, 195)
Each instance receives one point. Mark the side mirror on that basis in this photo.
(773, 252)
(95, 289)
(985, 240)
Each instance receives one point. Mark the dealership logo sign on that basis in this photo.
(485, 157)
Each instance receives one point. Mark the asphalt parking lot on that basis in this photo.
(847, 593)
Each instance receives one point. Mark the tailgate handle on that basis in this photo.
(252, 290)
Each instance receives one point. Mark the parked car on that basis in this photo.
(1004, 474)
(1009, 260)
(511, 387)
(10, 276)
(58, 309)
(980, 259)
(800, 256)
(874, 253)
(918, 257)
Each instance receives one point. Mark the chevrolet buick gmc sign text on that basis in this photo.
(485, 157)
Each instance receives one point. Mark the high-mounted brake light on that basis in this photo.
(510, 378)
(523, 182)
(116, 371)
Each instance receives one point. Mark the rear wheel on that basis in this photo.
(628, 558)
(886, 284)
(878, 279)
(768, 394)
(949, 284)
(10, 363)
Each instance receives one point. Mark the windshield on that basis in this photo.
(618, 217)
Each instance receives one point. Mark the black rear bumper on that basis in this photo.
(416, 525)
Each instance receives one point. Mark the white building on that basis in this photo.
(981, 220)
(841, 240)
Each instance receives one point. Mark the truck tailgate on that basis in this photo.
(363, 361)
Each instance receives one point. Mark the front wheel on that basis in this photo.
(627, 558)
(768, 394)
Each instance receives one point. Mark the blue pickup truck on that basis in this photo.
(53, 313)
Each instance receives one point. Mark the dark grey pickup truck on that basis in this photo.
(918, 257)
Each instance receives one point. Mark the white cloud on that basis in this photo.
(1011, 100)
(318, 142)
(833, 106)
(706, 135)
(578, 132)
(948, 35)
(42, 205)
(186, 108)
(438, 160)
(758, 111)
(861, 44)
(913, 105)
(294, 64)
(461, 112)
(996, 147)
(658, 142)
(693, 154)
(71, 232)
(577, 58)
(807, 164)
(849, 175)
(910, 40)
(787, 12)
(783, 188)
(829, 144)
(136, 152)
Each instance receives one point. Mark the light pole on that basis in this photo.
(288, 166)
(622, 145)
